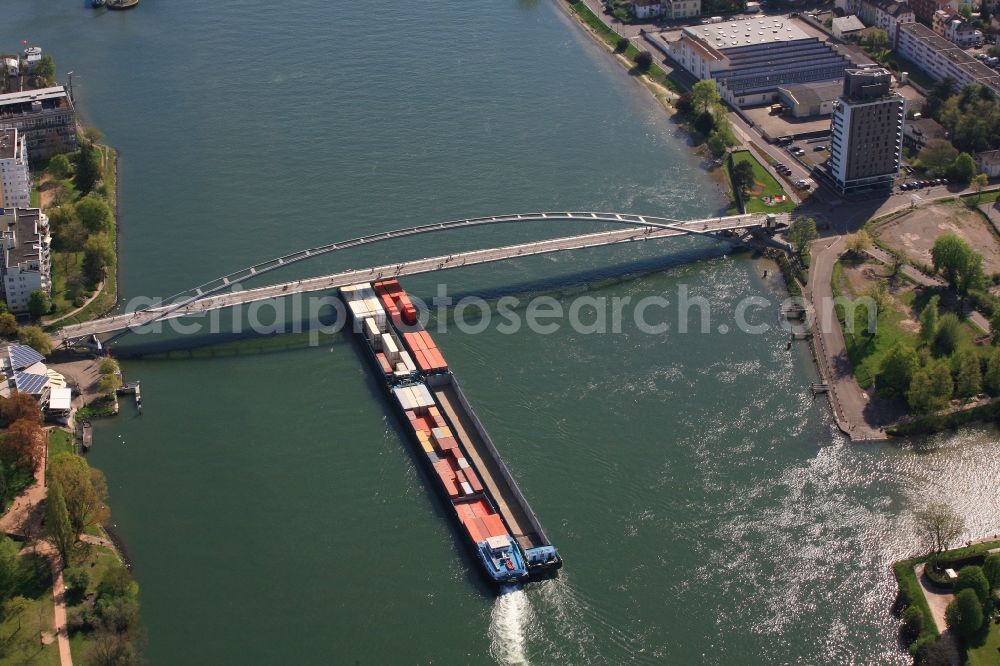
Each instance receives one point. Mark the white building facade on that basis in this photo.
(26, 264)
(15, 183)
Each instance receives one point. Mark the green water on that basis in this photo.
(706, 508)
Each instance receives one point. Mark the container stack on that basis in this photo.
(371, 319)
(479, 520)
(397, 303)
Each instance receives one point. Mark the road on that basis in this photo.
(707, 226)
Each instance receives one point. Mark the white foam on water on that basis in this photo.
(509, 620)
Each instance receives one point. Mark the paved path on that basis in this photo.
(60, 626)
(850, 403)
(24, 518)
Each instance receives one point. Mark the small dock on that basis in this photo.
(86, 435)
(135, 388)
(819, 387)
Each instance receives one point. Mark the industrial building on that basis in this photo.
(866, 140)
(810, 99)
(45, 116)
(751, 58)
(25, 262)
(15, 183)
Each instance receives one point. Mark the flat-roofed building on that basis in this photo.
(866, 141)
(15, 183)
(750, 58)
(942, 59)
(644, 9)
(810, 99)
(24, 255)
(45, 116)
(847, 27)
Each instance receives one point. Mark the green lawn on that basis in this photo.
(766, 184)
(37, 616)
(61, 441)
(97, 561)
(987, 654)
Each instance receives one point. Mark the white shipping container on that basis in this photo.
(466, 488)
(371, 331)
(390, 348)
(422, 396)
(407, 360)
(404, 397)
(463, 463)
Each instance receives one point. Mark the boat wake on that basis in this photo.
(509, 621)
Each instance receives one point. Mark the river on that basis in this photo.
(707, 510)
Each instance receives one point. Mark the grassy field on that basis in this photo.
(987, 654)
(36, 617)
(61, 441)
(766, 186)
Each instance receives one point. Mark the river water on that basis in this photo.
(707, 510)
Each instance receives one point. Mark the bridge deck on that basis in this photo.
(206, 298)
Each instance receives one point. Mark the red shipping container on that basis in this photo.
(473, 480)
(494, 526)
(420, 423)
(460, 475)
(479, 508)
(474, 532)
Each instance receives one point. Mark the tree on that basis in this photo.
(970, 377)
(19, 407)
(8, 325)
(108, 383)
(97, 257)
(743, 177)
(44, 71)
(108, 366)
(912, 626)
(929, 320)
(704, 122)
(94, 213)
(60, 167)
(88, 167)
(961, 266)
(937, 156)
(962, 169)
(801, 233)
(39, 303)
(622, 45)
(991, 569)
(966, 12)
(964, 615)
(722, 136)
(35, 338)
(973, 578)
(931, 651)
(858, 243)
(76, 579)
(23, 446)
(898, 366)
(705, 95)
(939, 525)
(979, 181)
(57, 521)
(948, 336)
(991, 380)
(685, 103)
(877, 40)
(84, 489)
(10, 568)
(643, 61)
(109, 648)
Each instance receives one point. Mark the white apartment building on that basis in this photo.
(15, 183)
(24, 249)
(942, 59)
(668, 9)
(866, 141)
(956, 30)
(646, 9)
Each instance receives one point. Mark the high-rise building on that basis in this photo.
(15, 184)
(867, 132)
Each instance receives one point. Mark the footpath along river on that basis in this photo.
(707, 510)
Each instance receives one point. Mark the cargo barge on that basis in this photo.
(495, 521)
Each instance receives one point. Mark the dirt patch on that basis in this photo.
(914, 234)
(862, 277)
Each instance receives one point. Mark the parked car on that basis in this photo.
(819, 148)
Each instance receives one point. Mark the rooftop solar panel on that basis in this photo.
(23, 356)
(27, 383)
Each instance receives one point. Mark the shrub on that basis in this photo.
(965, 614)
(913, 625)
(972, 578)
(705, 122)
(643, 61)
(991, 569)
(621, 45)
